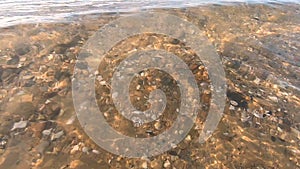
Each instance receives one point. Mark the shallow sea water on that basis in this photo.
(258, 44)
(14, 12)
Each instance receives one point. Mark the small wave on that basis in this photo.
(14, 12)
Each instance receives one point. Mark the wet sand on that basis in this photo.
(259, 47)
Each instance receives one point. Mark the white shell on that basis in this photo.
(19, 125)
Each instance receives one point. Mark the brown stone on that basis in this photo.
(37, 128)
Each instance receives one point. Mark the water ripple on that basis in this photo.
(14, 12)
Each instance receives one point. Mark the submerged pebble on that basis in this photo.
(74, 149)
(257, 114)
(47, 132)
(157, 125)
(167, 164)
(19, 125)
(244, 116)
(3, 143)
(42, 146)
(273, 98)
(95, 152)
(144, 165)
(57, 135)
(85, 150)
(234, 103)
(71, 120)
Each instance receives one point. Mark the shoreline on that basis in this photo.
(75, 16)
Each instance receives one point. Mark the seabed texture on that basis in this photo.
(259, 46)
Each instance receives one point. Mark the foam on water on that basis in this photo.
(14, 12)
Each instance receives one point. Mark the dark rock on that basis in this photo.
(274, 64)
(244, 58)
(239, 98)
(185, 154)
(251, 77)
(175, 41)
(50, 94)
(9, 72)
(228, 137)
(81, 65)
(69, 55)
(59, 49)
(285, 127)
(273, 138)
(262, 74)
(13, 61)
(59, 75)
(246, 124)
(269, 113)
(22, 49)
(173, 153)
(52, 110)
(234, 64)
(150, 132)
(29, 83)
